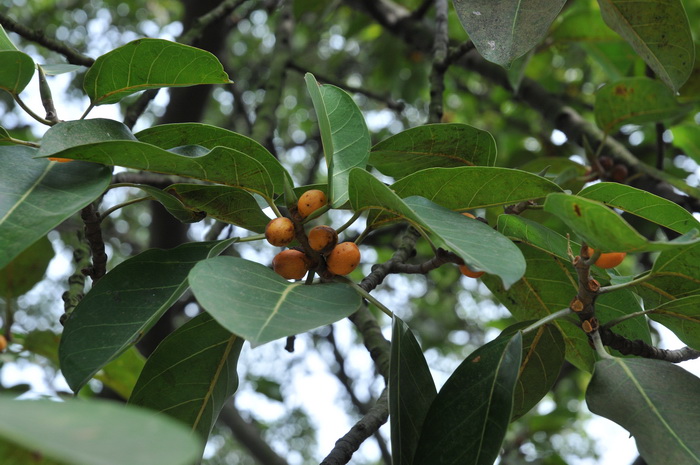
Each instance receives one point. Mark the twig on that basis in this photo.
(76, 281)
(93, 234)
(437, 73)
(642, 349)
(249, 436)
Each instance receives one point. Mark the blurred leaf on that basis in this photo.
(82, 432)
(468, 419)
(150, 64)
(44, 343)
(344, 134)
(674, 275)
(121, 374)
(227, 204)
(687, 138)
(643, 204)
(655, 401)
(26, 269)
(11, 454)
(169, 136)
(254, 302)
(411, 391)
(634, 101)
(5, 138)
(124, 304)
(505, 30)
(69, 134)
(432, 146)
(171, 203)
(191, 374)
(682, 316)
(36, 195)
(605, 230)
(16, 71)
(658, 30)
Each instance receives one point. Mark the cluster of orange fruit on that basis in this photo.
(341, 259)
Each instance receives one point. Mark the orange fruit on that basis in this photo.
(279, 232)
(323, 238)
(608, 260)
(310, 201)
(291, 264)
(344, 258)
(3, 343)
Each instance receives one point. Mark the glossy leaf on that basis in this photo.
(26, 269)
(150, 64)
(682, 316)
(634, 101)
(254, 302)
(674, 275)
(687, 138)
(643, 204)
(124, 304)
(16, 71)
(191, 374)
(169, 136)
(658, 30)
(227, 204)
(468, 419)
(605, 230)
(655, 401)
(505, 30)
(69, 134)
(36, 195)
(411, 391)
(344, 134)
(83, 432)
(433, 146)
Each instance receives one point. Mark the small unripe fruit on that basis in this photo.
(619, 173)
(3, 343)
(323, 238)
(60, 160)
(343, 259)
(310, 201)
(291, 264)
(469, 273)
(279, 232)
(606, 162)
(608, 260)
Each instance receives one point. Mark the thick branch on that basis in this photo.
(642, 349)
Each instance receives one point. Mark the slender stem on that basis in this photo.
(111, 210)
(30, 112)
(617, 321)
(548, 319)
(257, 237)
(272, 205)
(316, 213)
(599, 347)
(615, 287)
(88, 110)
(349, 222)
(362, 236)
(370, 298)
(22, 142)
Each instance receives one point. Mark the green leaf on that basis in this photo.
(658, 30)
(83, 432)
(191, 374)
(433, 146)
(643, 204)
(411, 391)
(36, 195)
(254, 302)
(505, 30)
(171, 203)
(536, 235)
(605, 230)
(5, 42)
(674, 275)
(60, 68)
(682, 316)
(26, 269)
(687, 138)
(468, 419)
(227, 204)
(169, 136)
(16, 71)
(120, 374)
(655, 401)
(124, 304)
(69, 134)
(150, 64)
(634, 101)
(344, 134)
(5, 138)
(482, 248)
(617, 304)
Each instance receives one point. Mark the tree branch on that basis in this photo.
(248, 435)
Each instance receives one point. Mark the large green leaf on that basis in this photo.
(254, 302)
(69, 134)
(605, 230)
(433, 146)
(411, 391)
(121, 374)
(5, 42)
(172, 203)
(659, 32)
(505, 30)
(16, 71)
(634, 101)
(26, 269)
(169, 136)
(150, 64)
(643, 204)
(687, 138)
(682, 316)
(124, 304)
(191, 374)
(227, 204)
(468, 419)
(36, 195)
(92, 432)
(344, 134)
(655, 401)
(536, 235)
(674, 275)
